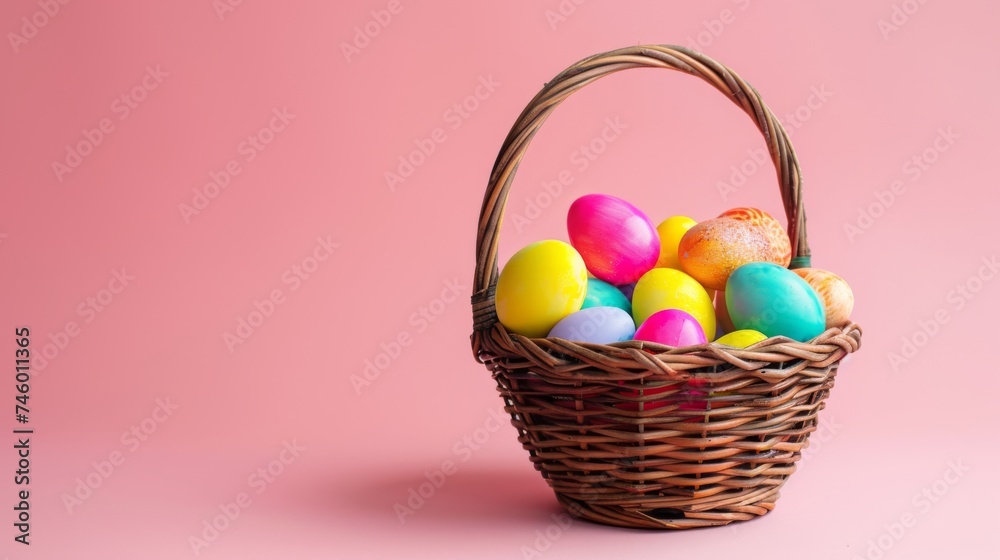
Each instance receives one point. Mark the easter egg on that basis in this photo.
(780, 247)
(775, 301)
(711, 250)
(722, 312)
(834, 292)
(615, 239)
(644, 398)
(539, 285)
(602, 294)
(671, 327)
(668, 288)
(599, 325)
(671, 231)
(742, 338)
(628, 290)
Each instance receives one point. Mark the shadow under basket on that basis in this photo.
(642, 435)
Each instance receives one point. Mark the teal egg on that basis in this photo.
(602, 294)
(771, 299)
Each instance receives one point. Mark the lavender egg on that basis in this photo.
(597, 325)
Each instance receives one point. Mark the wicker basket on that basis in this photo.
(637, 434)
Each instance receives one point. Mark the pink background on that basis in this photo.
(891, 430)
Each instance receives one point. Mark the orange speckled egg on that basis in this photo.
(713, 249)
(781, 247)
(834, 292)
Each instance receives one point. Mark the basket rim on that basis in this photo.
(572, 361)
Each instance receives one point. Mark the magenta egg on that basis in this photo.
(672, 327)
(617, 241)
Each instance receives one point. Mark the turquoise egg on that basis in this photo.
(602, 294)
(773, 300)
(598, 325)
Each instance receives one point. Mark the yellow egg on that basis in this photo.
(668, 288)
(671, 231)
(834, 292)
(539, 285)
(742, 338)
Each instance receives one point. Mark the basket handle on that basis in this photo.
(582, 73)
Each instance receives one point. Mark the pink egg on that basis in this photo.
(671, 327)
(616, 240)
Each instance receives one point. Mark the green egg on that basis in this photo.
(773, 300)
(602, 294)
